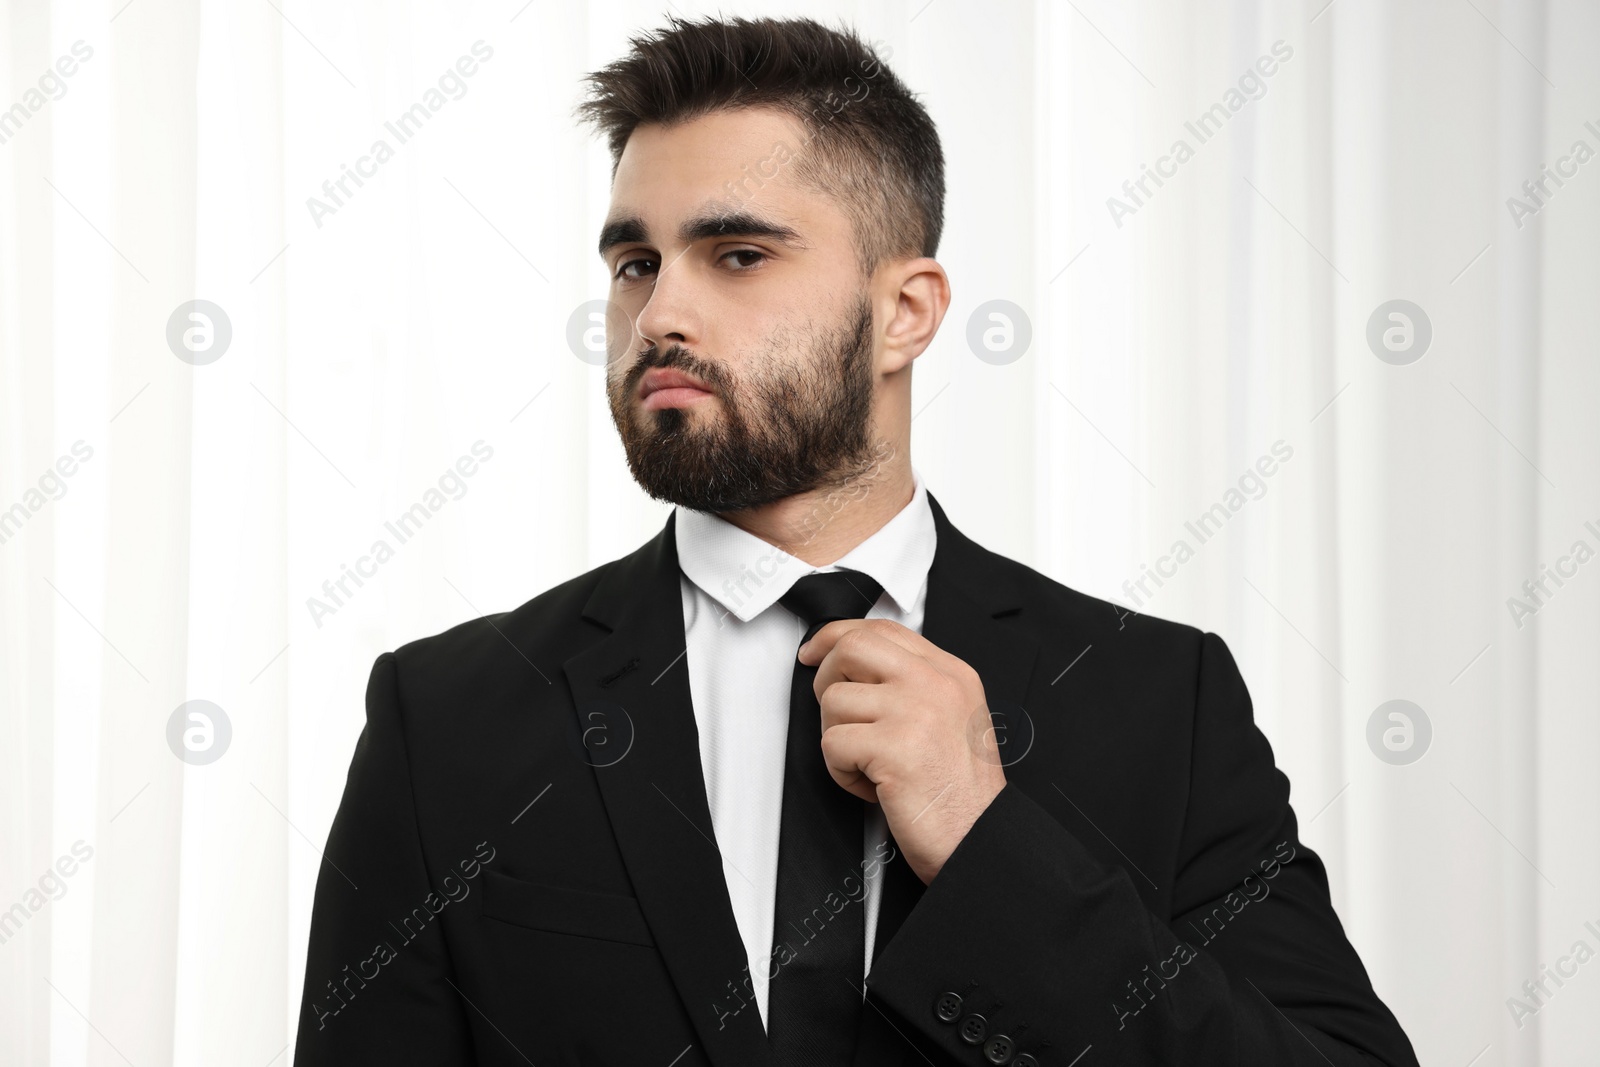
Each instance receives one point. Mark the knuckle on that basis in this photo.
(853, 639)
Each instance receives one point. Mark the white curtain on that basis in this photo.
(180, 525)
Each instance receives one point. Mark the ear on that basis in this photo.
(920, 291)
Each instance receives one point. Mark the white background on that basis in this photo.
(1168, 353)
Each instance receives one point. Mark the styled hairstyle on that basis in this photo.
(868, 143)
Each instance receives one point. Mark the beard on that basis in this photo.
(783, 428)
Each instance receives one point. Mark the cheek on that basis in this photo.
(621, 336)
(617, 379)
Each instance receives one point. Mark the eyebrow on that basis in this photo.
(627, 229)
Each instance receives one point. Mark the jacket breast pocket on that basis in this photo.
(558, 909)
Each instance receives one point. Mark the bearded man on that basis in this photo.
(810, 777)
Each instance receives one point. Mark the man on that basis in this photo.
(977, 818)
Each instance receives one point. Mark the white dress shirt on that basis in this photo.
(741, 652)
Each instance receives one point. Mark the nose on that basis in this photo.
(670, 314)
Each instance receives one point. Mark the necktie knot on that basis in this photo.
(821, 598)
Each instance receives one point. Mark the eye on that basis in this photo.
(760, 257)
(625, 264)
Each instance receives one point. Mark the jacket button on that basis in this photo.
(948, 1007)
(974, 1028)
(1024, 1060)
(999, 1049)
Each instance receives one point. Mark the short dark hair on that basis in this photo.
(873, 147)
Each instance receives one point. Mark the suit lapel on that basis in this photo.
(967, 593)
(655, 795)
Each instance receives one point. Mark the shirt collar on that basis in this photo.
(746, 575)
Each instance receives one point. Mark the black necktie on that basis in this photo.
(818, 926)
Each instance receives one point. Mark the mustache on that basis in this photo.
(676, 357)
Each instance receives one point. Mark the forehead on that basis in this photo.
(742, 160)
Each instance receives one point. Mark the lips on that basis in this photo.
(664, 387)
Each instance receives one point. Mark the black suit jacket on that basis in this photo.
(523, 867)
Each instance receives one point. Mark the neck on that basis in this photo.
(822, 525)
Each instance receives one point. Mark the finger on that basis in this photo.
(849, 702)
(825, 638)
(850, 753)
(867, 654)
(828, 635)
